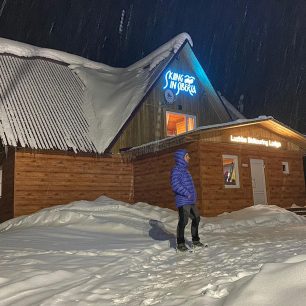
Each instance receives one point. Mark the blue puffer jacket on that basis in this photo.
(181, 181)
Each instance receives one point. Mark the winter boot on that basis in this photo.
(198, 244)
(182, 247)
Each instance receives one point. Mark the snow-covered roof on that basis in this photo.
(266, 121)
(39, 110)
(54, 100)
(235, 114)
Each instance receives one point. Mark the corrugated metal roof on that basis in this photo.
(59, 105)
(54, 100)
(41, 105)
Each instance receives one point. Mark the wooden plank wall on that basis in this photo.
(43, 180)
(7, 199)
(286, 189)
(282, 190)
(152, 176)
(216, 198)
(148, 123)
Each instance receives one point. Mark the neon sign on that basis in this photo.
(180, 83)
(252, 140)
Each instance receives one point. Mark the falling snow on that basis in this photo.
(250, 48)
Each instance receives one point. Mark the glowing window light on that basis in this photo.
(177, 123)
(180, 83)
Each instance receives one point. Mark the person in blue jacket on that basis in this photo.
(185, 199)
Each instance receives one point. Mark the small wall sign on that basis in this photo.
(169, 96)
(178, 82)
(252, 140)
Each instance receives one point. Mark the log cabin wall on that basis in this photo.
(43, 180)
(282, 189)
(286, 189)
(152, 176)
(148, 123)
(152, 172)
(32, 181)
(7, 193)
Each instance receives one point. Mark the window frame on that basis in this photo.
(186, 121)
(286, 164)
(236, 169)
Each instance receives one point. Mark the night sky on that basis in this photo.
(253, 51)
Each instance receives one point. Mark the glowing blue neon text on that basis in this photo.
(180, 82)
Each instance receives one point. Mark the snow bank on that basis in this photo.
(296, 206)
(86, 211)
(108, 252)
(275, 284)
(255, 216)
(92, 212)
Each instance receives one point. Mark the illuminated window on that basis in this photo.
(179, 123)
(230, 171)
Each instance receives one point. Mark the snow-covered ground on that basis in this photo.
(107, 252)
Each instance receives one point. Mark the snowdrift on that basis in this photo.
(255, 216)
(275, 284)
(104, 207)
(107, 252)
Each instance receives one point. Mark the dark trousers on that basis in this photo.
(185, 212)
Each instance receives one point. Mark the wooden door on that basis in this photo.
(258, 181)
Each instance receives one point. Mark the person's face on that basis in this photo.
(187, 158)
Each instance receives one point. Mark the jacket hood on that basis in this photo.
(179, 157)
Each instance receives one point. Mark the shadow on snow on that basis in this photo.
(160, 233)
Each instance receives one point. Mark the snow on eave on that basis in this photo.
(230, 107)
(16, 48)
(154, 58)
(205, 128)
(20, 49)
(288, 127)
(234, 123)
(242, 122)
(225, 125)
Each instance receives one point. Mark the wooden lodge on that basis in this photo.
(233, 166)
(58, 146)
